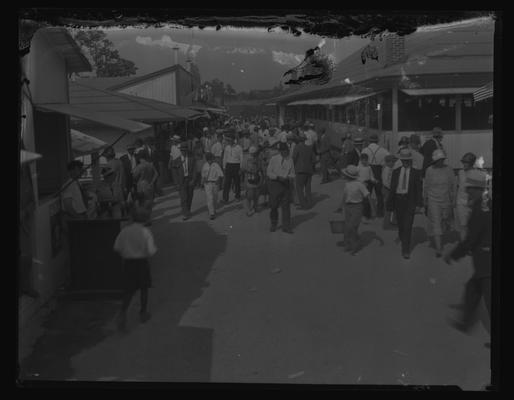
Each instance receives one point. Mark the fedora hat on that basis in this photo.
(477, 179)
(469, 158)
(358, 140)
(175, 138)
(405, 154)
(184, 145)
(403, 140)
(373, 138)
(351, 171)
(437, 155)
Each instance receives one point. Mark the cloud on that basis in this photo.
(166, 41)
(240, 50)
(289, 59)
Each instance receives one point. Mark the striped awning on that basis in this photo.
(485, 92)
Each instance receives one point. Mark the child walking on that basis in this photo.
(136, 245)
(211, 176)
(354, 195)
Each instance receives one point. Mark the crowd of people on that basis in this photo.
(272, 167)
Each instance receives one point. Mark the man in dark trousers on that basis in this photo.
(430, 145)
(280, 172)
(232, 165)
(354, 156)
(129, 163)
(478, 243)
(405, 198)
(304, 160)
(185, 172)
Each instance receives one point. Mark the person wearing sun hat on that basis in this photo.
(405, 198)
(438, 189)
(109, 195)
(354, 195)
(478, 242)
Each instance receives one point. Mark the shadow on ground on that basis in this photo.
(418, 236)
(177, 353)
(299, 219)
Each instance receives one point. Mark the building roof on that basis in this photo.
(120, 82)
(66, 46)
(126, 106)
(460, 50)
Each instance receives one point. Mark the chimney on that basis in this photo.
(176, 49)
(394, 49)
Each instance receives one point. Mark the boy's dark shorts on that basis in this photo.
(137, 274)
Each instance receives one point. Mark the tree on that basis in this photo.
(105, 58)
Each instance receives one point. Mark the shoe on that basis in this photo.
(438, 254)
(185, 218)
(406, 256)
(273, 228)
(144, 316)
(287, 230)
(354, 252)
(212, 217)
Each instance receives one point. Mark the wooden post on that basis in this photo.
(95, 168)
(366, 113)
(395, 119)
(458, 113)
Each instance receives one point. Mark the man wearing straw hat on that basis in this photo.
(354, 194)
(478, 242)
(354, 156)
(405, 197)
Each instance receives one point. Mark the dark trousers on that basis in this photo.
(324, 161)
(232, 175)
(186, 190)
(405, 218)
(280, 196)
(303, 188)
(476, 289)
(377, 187)
(352, 220)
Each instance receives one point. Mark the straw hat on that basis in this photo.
(175, 138)
(476, 179)
(437, 155)
(358, 140)
(469, 158)
(351, 171)
(373, 138)
(405, 154)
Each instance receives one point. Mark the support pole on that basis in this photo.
(395, 119)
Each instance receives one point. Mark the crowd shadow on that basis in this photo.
(318, 198)
(299, 219)
(418, 236)
(179, 275)
(368, 237)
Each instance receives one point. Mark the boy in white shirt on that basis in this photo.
(135, 244)
(211, 176)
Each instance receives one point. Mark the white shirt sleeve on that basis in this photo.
(117, 243)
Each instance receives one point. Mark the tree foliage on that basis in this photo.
(106, 59)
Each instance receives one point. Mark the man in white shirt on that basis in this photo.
(74, 200)
(280, 172)
(232, 164)
(376, 156)
(211, 175)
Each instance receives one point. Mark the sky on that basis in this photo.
(247, 59)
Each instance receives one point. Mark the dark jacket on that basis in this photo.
(415, 192)
(178, 170)
(353, 157)
(477, 241)
(324, 145)
(304, 159)
(427, 150)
